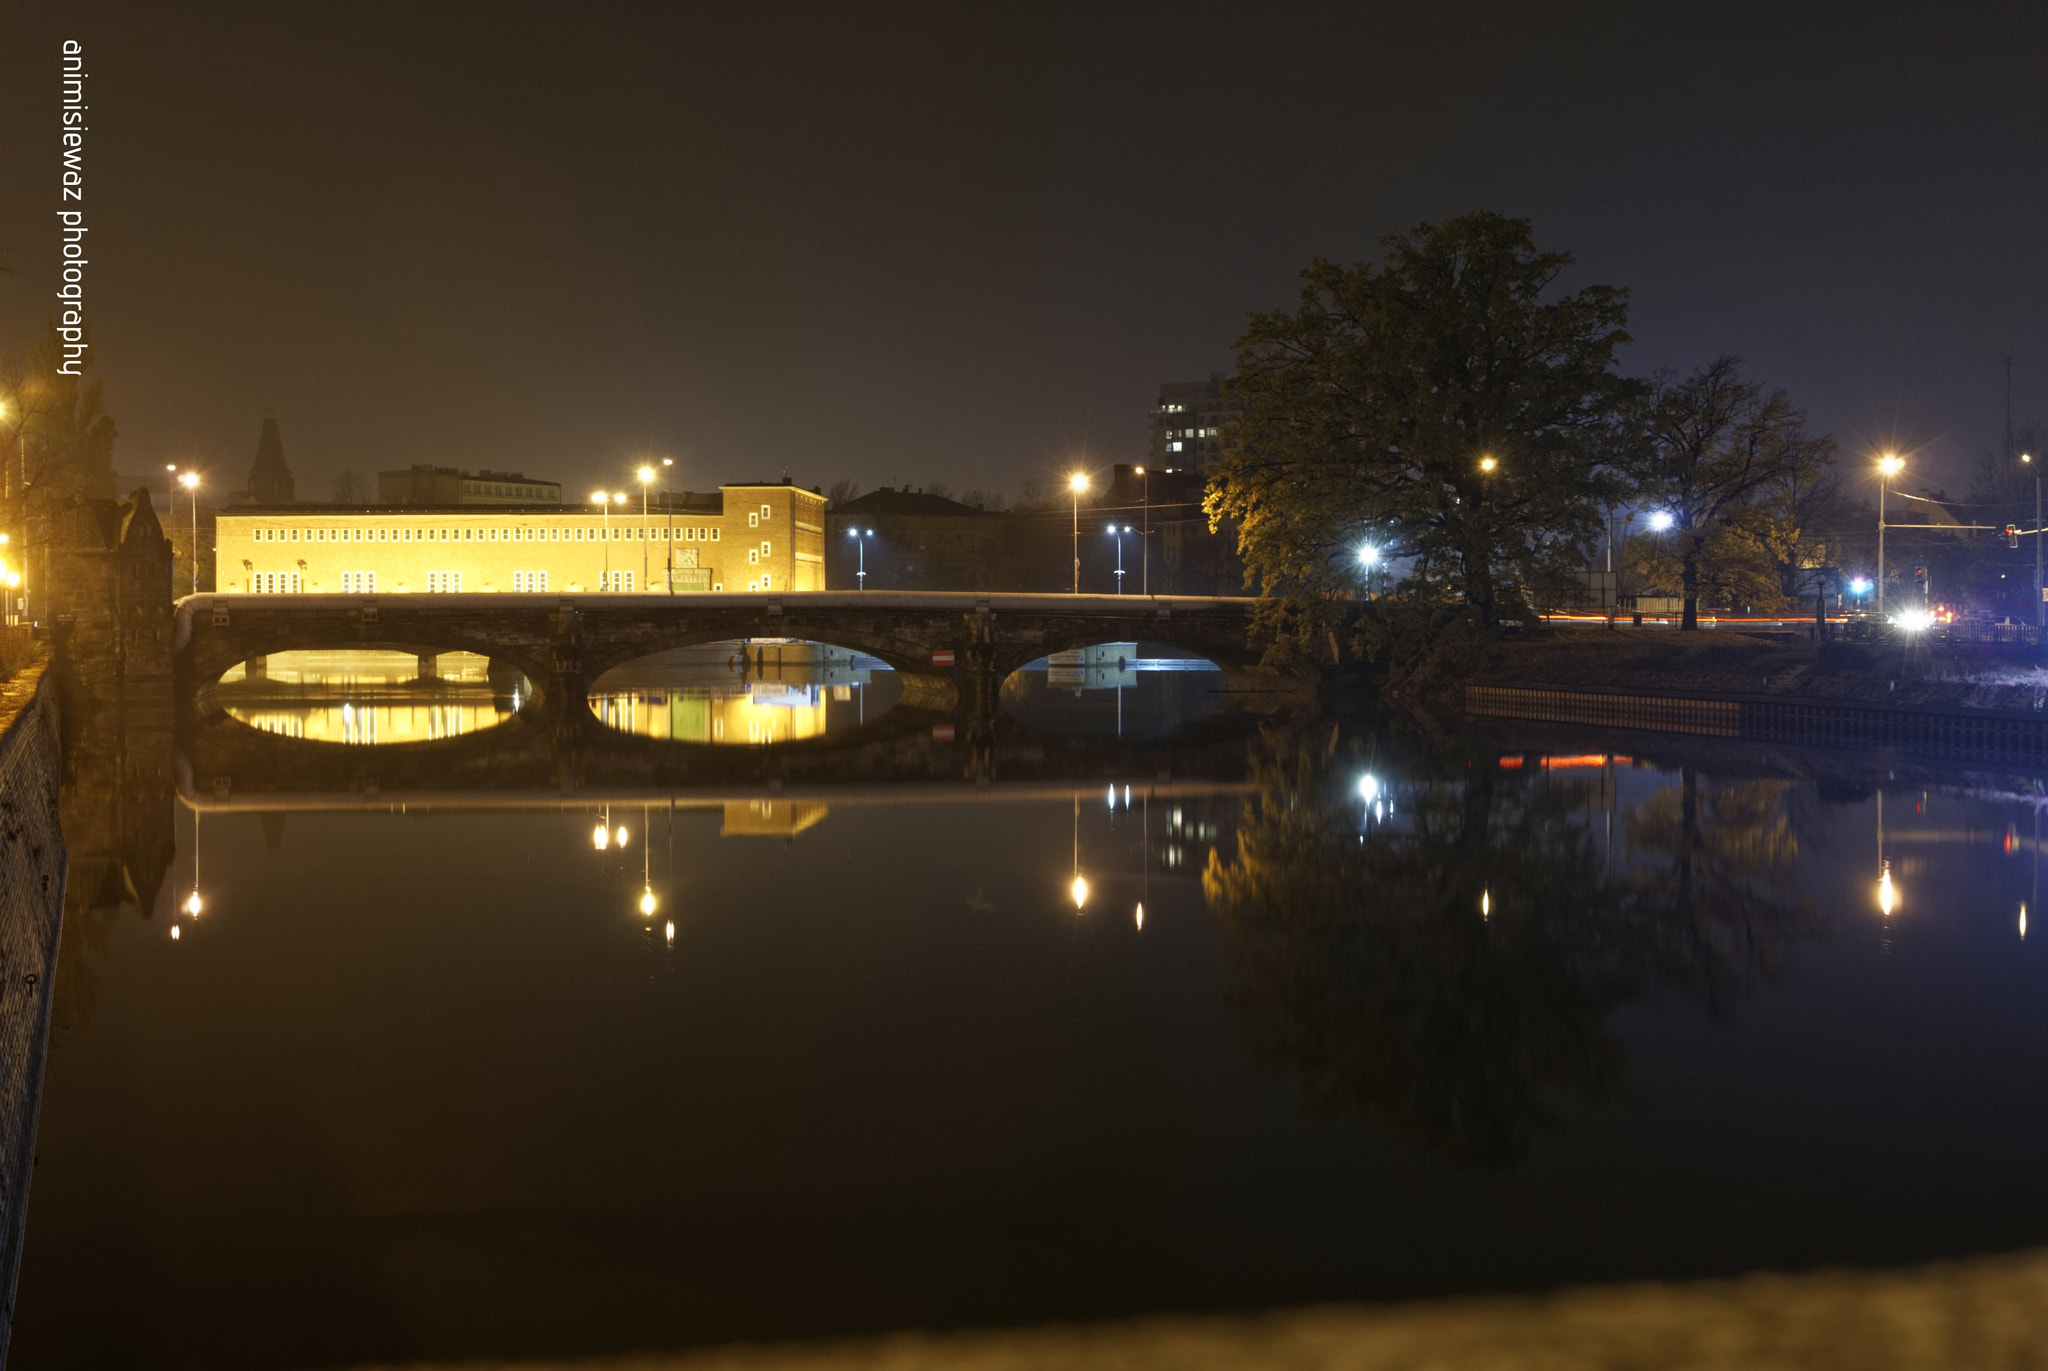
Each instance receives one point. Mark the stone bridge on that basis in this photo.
(951, 649)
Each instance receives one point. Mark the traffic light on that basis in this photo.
(2012, 536)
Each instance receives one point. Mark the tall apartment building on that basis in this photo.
(441, 486)
(1188, 424)
(745, 537)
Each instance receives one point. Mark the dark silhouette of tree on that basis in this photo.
(350, 488)
(1441, 404)
(1726, 460)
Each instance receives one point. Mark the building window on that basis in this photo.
(764, 548)
(753, 557)
(753, 521)
(766, 577)
(714, 535)
(766, 513)
(1173, 447)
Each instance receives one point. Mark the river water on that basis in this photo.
(1348, 1010)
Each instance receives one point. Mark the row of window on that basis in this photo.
(623, 534)
(516, 492)
(438, 582)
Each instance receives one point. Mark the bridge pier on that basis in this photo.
(257, 669)
(428, 666)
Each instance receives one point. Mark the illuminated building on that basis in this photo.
(742, 538)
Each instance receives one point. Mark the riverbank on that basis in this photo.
(1923, 672)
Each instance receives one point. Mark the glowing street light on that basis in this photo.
(1077, 483)
(1888, 466)
(1887, 893)
(600, 837)
(1487, 464)
(860, 541)
(1117, 532)
(2040, 602)
(646, 475)
(1661, 521)
(193, 904)
(1079, 890)
(647, 902)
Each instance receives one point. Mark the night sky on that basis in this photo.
(914, 243)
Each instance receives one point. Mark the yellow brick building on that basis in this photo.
(744, 538)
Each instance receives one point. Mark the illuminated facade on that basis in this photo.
(744, 538)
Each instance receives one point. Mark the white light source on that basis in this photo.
(1660, 521)
(1368, 554)
(1913, 620)
(1079, 890)
(600, 837)
(1860, 586)
(1368, 787)
(647, 901)
(193, 905)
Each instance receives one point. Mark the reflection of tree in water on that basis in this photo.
(1449, 976)
(1714, 871)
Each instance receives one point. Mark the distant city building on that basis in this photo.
(744, 537)
(441, 486)
(1188, 424)
(270, 480)
(912, 540)
(915, 541)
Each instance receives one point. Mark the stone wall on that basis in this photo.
(32, 889)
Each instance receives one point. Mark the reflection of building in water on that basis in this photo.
(366, 697)
(753, 692)
(771, 818)
(119, 842)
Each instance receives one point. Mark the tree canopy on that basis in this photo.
(1443, 404)
(1726, 461)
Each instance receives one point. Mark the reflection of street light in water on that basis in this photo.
(1079, 889)
(1486, 904)
(1887, 895)
(647, 901)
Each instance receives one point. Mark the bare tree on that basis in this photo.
(840, 492)
(350, 488)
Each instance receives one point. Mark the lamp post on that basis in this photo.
(668, 504)
(860, 543)
(190, 480)
(1888, 466)
(1117, 532)
(2039, 600)
(646, 475)
(1145, 537)
(1077, 483)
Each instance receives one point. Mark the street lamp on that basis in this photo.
(1145, 537)
(1077, 483)
(1888, 466)
(190, 480)
(668, 504)
(1661, 521)
(1487, 464)
(860, 542)
(1368, 557)
(646, 475)
(1118, 534)
(2039, 599)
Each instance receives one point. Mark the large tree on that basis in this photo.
(1726, 461)
(1444, 404)
(56, 437)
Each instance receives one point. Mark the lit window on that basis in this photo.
(766, 512)
(753, 557)
(714, 535)
(764, 547)
(753, 521)
(1173, 447)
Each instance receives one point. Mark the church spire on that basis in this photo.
(270, 480)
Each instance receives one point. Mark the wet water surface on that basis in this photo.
(593, 1073)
